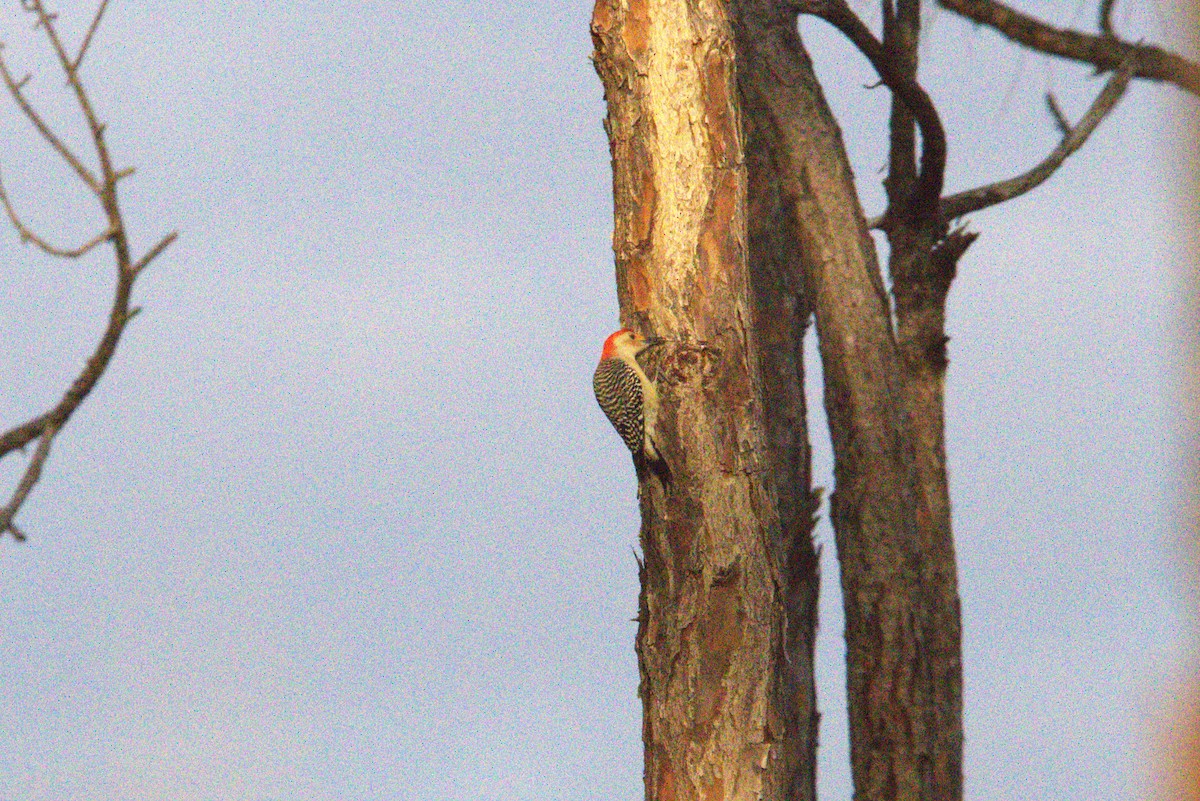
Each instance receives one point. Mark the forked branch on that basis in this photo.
(33, 471)
(928, 188)
(44, 427)
(16, 89)
(1073, 138)
(27, 234)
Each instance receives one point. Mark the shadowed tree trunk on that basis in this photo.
(902, 631)
(728, 601)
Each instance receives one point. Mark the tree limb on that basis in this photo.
(27, 234)
(928, 187)
(15, 88)
(33, 471)
(1106, 52)
(48, 424)
(981, 197)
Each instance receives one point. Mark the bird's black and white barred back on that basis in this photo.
(628, 397)
(619, 392)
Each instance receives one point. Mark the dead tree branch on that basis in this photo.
(1105, 52)
(928, 186)
(87, 39)
(27, 234)
(33, 471)
(47, 425)
(981, 197)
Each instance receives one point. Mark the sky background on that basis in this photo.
(343, 520)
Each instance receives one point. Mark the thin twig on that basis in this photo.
(962, 203)
(154, 252)
(1060, 119)
(33, 471)
(27, 234)
(15, 88)
(87, 40)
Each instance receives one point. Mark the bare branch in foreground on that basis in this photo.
(1106, 52)
(981, 197)
(47, 425)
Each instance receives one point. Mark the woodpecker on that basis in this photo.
(627, 396)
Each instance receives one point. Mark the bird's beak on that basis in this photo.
(654, 342)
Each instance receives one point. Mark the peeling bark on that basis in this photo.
(727, 607)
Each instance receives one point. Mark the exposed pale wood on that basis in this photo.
(725, 638)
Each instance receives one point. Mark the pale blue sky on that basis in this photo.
(343, 520)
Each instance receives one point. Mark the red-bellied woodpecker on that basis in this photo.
(627, 396)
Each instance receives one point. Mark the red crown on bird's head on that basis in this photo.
(610, 344)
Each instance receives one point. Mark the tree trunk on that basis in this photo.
(890, 509)
(728, 601)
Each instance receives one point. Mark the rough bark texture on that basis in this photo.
(782, 315)
(727, 607)
(889, 511)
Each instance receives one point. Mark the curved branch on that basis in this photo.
(981, 197)
(1106, 52)
(27, 235)
(47, 425)
(924, 199)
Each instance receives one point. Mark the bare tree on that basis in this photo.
(100, 178)
(737, 220)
